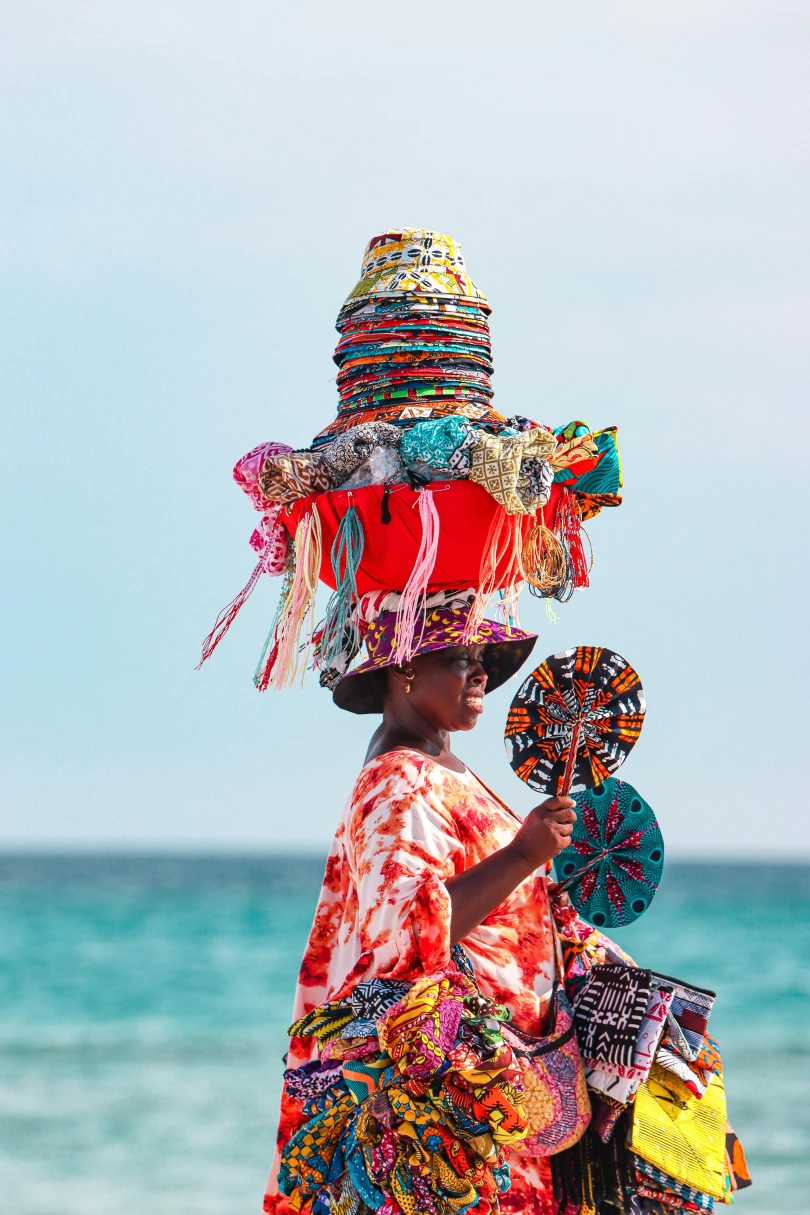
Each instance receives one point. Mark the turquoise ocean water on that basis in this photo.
(143, 1004)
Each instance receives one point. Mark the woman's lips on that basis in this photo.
(475, 701)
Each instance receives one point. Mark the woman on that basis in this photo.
(426, 856)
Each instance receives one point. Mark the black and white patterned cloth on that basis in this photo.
(370, 1001)
(348, 451)
(608, 1012)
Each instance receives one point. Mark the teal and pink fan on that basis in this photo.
(573, 722)
(613, 865)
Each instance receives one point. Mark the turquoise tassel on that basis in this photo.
(340, 634)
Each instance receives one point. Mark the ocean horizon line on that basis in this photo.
(313, 852)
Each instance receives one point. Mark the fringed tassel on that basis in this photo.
(569, 526)
(543, 560)
(592, 1178)
(493, 553)
(340, 639)
(228, 614)
(515, 574)
(504, 544)
(414, 596)
(264, 669)
(298, 611)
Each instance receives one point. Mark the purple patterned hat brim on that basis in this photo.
(363, 691)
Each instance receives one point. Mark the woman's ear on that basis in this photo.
(403, 674)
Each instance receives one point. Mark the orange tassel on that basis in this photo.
(504, 543)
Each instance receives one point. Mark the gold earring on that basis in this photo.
(409, 678)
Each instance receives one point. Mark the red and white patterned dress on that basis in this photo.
(384, 912)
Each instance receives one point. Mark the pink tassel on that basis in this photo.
(228, 614)
(414, 596)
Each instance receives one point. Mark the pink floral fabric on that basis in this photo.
(271, 541)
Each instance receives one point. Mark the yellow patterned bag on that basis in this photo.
(681, 1134)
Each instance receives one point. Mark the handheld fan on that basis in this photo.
(574, 720)
(614, 862)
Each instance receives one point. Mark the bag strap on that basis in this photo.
(559, 961)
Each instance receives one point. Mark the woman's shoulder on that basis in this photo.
(407, 779)
(401, 767)
(400, 795)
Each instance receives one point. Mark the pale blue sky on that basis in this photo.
(186, 193)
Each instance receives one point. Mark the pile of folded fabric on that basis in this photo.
(659, 1131)
(418, 485)
(410, 1102)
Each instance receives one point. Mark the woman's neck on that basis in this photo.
(412, 731)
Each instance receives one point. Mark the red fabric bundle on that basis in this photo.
(466, 512)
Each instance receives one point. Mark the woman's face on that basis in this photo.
(448, 687)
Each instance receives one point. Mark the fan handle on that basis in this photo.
(568, 775)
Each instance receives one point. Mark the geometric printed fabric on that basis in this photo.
(351, 449)
(614, 864)
(736, 1164)
(247, 469)
(445, 444)
(689, 1019)
(590, 685)
(288, 476)
(370, 1001)
(603, 475)
(414, 336)
(609, 1010)
(662, 1182)
(415, 261)
(496, 464)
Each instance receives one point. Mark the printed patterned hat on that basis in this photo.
(414, 260)
(440, 628)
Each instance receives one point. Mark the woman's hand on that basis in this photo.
(546, 831)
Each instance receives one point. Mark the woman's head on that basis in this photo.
(445, 688)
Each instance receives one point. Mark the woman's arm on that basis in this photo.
(482, 888)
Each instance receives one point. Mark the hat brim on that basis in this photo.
(363, 691)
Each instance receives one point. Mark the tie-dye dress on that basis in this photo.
(384, 912)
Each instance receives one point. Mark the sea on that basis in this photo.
(144, 1003)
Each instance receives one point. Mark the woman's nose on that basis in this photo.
(478, 675)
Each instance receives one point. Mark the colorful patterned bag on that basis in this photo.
(556, 1101)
